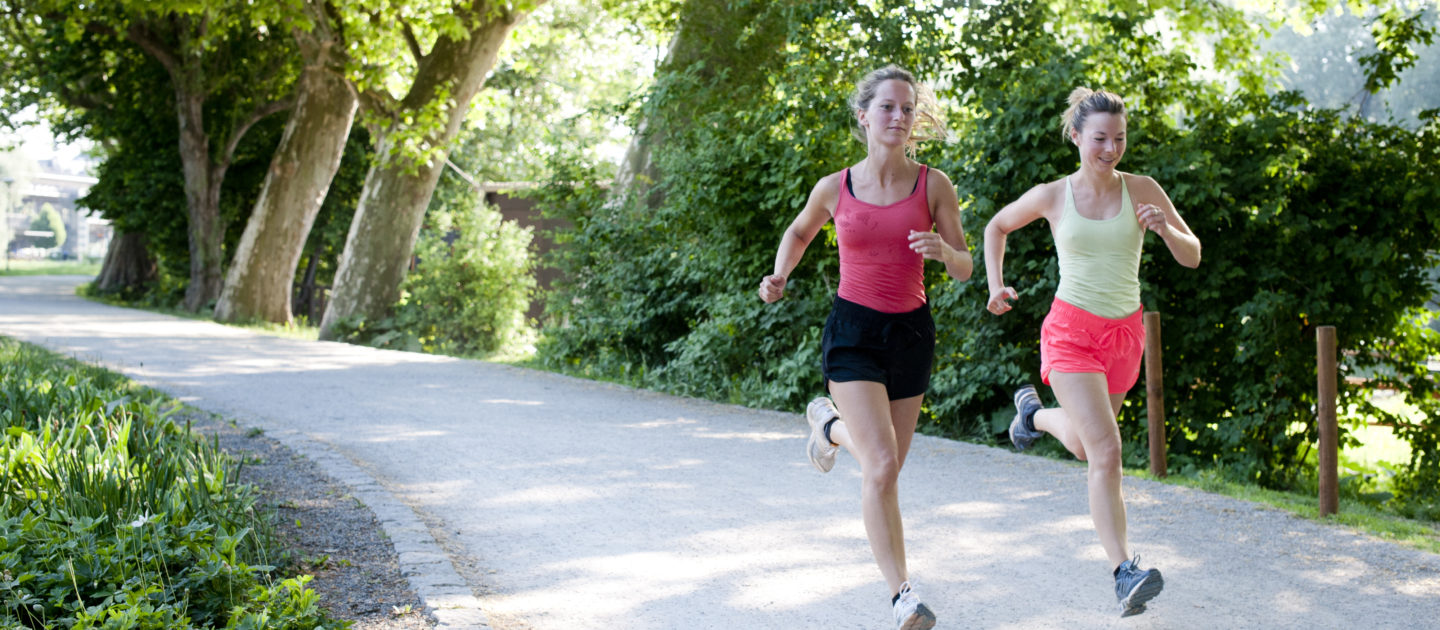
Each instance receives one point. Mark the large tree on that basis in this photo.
(413, 132)
(262, 271)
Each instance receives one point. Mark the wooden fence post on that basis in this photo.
(1325, 373)
(1155, 393)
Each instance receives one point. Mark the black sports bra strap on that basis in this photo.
(849, 185)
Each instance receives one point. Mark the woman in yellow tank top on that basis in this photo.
(1093, 338)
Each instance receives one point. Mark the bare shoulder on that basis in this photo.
(934, 176)
(938, 183)
(827, 187)
(826, 191)
(1141, 184)
(1046, 193)
(1144, 189)
(830, 183)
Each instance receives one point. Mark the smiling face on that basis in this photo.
(1101, 141)
(891, 113)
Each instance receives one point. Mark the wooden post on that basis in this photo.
(1329, 453)
(1155, 392)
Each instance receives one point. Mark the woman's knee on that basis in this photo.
(1104, 458)
(881, 473)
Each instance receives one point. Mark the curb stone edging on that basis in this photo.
(423, 563)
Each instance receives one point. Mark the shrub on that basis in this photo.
(469, 289)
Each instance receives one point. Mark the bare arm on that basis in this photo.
(947, 242)
(817, 212)
(1157, 214)
(1034, 204)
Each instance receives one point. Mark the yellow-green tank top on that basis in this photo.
(1100, 259)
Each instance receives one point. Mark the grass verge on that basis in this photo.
(298, 329)
(1354, 514)
(112, 515)
(50, 268)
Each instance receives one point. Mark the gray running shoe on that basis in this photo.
(1027, 402)
(1134, 587)
(822, 453)
(910, 614)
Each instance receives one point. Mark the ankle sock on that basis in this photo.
(1029, 420)
(827, 430)
(894, 599)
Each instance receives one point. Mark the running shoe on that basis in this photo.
(1134, 587)
(1027, 402)
(910, 614)
(822, 453)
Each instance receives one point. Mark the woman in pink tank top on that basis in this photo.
(891, 214)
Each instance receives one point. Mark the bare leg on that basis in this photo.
(1088, 413)
(1056, 423)
(878, 432)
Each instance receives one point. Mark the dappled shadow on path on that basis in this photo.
(572, 504)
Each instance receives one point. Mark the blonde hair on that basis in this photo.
(928, 124)
(1083, 102)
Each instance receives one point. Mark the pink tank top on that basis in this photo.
(877, 267)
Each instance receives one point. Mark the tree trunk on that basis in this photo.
(127, 264)
(305, 302)
(202, 199)
(262, 273)
(708, 33)
(183, 53)
(393, 200)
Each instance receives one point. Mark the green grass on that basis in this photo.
(50, 268)
(300, 328)
(101, 480)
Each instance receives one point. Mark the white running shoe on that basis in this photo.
(822, 453)
(910, 614)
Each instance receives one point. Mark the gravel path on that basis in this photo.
(525, 500)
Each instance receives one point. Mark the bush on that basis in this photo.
(659, 285)
(469, 290)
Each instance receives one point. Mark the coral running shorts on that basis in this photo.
(1074, 340)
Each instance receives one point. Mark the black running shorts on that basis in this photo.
(896, 350)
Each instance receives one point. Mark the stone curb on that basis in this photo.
(422, 561)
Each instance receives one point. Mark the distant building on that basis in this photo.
(87, 234)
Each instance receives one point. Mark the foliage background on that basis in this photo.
(660, 287)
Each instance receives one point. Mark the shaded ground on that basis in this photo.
(330, 534)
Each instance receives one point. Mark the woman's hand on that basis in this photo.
(1152, 218)
(1000, 300)
(931, 246)
(772, 288)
